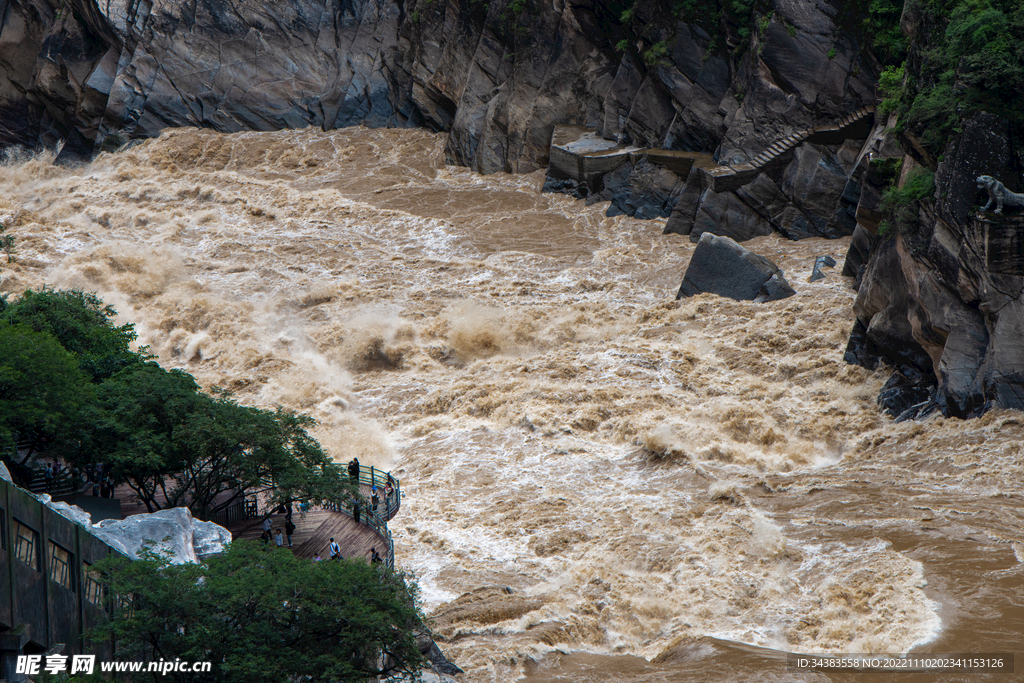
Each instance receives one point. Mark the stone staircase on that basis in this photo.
(724, 178)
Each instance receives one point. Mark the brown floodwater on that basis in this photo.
(602, 483)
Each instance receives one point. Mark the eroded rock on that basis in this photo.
(721, 266)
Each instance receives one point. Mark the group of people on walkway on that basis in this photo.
(270, 533)
(98, 475)
(375, 492)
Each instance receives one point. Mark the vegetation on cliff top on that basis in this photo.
(966, 56)
(71, 387)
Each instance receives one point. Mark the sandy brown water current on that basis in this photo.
(602, 483)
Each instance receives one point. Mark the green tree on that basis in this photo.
(81, 323)
(263, 614)
(42, 391)
(176, 446)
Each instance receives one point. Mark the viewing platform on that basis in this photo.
(313, 529)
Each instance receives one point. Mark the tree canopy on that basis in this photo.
(81, 323)
(176, 445)
(42, 391)
(71, 386)
(263, 614)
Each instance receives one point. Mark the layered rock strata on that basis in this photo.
(944, 303)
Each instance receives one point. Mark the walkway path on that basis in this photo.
(723, 177)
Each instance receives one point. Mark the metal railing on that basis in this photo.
(256, 504)
(370, 519)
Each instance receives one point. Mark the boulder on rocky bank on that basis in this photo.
(721, 266)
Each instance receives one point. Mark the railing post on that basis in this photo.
(373, 476)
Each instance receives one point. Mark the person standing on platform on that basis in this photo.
(355, 509)
(353, 471)
(334, 550)
(48, 476)
(374, 499)
(289, 529)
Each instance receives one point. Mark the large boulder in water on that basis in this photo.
(721, 266)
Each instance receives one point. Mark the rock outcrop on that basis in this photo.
(721, 266)
(95, 74)
(173, 531)
(944, 304)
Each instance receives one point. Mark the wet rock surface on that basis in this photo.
(931, 301)
(721, 266)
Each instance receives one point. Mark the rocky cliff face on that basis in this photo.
(99, 73)
(944, 303)
(941, 292)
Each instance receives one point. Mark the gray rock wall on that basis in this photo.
(940, 290)
(99, 73)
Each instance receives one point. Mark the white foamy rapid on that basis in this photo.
(588, 464)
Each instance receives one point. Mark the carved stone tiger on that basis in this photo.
(998, 192)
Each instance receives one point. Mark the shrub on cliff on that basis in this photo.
(967, 56)
(900, 204)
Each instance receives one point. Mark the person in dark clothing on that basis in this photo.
(289, 529)
(48, 476)
(355, 509)
(375, 557)
(353, 471)
(375, 499)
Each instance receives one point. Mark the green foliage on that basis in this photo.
(42, 390)
(971, 59)
(82, 324)
(263, 614)
(655, 54)
(516, 7)
(900, 204)
(832, 53)
(415, 17)
(890, 82)
(763, 22)
(622, 45)
(627, 15)
(887, 170)
(163, 436)
(882, 27)
(742, 12)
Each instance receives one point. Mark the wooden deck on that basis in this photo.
(313, 532)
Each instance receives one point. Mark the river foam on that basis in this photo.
(584, 458)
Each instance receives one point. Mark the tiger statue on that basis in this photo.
(998, 192)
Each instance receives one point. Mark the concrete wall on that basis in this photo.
(39, 610)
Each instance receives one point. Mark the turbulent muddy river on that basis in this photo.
(602, 484)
